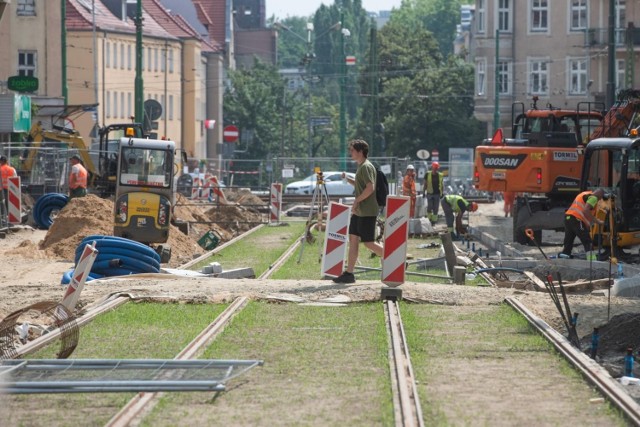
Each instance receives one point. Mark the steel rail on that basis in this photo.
(408, 412)
(143, 402)
(44, 340)
(280, 261)
(594, 373)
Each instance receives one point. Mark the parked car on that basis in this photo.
(332, 180)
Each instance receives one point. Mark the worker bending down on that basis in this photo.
(77, 178)
(579, 218)
(458, 205)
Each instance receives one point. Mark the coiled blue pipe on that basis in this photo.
(118, 257)
(45, 206)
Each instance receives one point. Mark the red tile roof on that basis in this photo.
(165, 19)
(212, 15)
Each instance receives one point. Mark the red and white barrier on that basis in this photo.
(15, 200)
(335, 240)
(72, 295)
(212, 181)
(396, 232)
(275, 205)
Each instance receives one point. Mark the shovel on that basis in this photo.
(529, 233)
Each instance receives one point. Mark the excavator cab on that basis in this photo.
(110, 136)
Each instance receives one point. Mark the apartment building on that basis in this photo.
(555, 50)
(30, 32)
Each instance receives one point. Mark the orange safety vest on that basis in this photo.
(7, 172)
(577, 207)
(78, 177)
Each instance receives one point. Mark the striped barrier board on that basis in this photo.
(212, 181)
(396, 232)
(335, 240)
(79, 276)
(15, 200)
(275, 205)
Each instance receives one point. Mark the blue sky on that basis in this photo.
(284, 8)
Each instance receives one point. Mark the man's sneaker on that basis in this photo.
(345, 277)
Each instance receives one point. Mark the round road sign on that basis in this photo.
(423, 154)
(230, 133)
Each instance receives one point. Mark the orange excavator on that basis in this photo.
(543, 161)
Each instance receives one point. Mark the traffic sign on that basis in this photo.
(350, 60)
(435, 154)
(230, 133)
(423, 154)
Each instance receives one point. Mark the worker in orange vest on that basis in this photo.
(409, 188)
(579, 218)
(77, 178)
(6, 171)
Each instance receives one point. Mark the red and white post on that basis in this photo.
(396, 232)
(335, 240)
(79, 276)
(275, 205)
(15, 201)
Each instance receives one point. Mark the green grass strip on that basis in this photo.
(133, 331)
(487, 365)
(324, 366)
(259, 250)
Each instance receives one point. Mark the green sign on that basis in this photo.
(23, 83)
(21, 113)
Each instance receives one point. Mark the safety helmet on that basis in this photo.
(435, 165)
(473, 206)
(76, 157)
(410, 168)
(3, 158)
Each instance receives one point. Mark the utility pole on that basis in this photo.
(373, 69)
(496, 88)
(139, 86)
(63, 59)
(611, 79)
(343, 118)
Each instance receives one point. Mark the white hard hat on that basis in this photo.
(410, 167)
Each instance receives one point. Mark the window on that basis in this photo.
(107, 54)
(27, 62)
(163, 60)
(621, 20)
(480, 16)
(170, 107)
(155, 59)
(578, 15)
(148, 59)
(504, 78)
(504, 15)
(115, 105)
(164, 107)
(122, 104)
(129, 104)
(107, 104)
(538, 76)
(577, 76)
(481, 77)
(171, 60)
(115, 55)
(122, 56)
(128, 57)
(620, 74)
(539, 15)
(26, 8)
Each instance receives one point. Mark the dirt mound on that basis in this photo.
(245, 198)
(621, 332)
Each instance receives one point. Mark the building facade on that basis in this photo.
(555, 50)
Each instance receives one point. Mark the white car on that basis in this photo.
(332, 180)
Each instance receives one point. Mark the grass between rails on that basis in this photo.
(133, 331)
(323, 366)
(259, 250)
(457, 351)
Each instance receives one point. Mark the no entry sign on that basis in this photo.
(231, 133)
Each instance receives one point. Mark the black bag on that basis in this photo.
(382, 188)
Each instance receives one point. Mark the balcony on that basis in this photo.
(599, 37)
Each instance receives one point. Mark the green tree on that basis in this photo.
(257, 102)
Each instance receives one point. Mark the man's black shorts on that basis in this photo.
(363, 227)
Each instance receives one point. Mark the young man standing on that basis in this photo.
(364, 211)
(433, 190)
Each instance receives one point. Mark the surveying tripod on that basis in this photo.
(319, 200)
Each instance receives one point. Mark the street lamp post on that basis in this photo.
(343, 82)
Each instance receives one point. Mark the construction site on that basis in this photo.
(111, 313)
